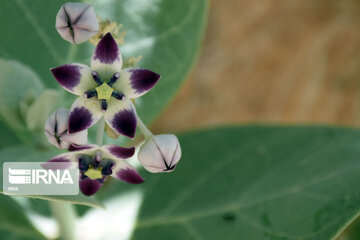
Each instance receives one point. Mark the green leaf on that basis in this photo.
(10, 139)
(167, 33)
(352, 232)
(14, 222)
(16, 81)
(254, 182)
(29, 36)
(29, 154)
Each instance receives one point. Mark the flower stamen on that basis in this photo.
(117, 95)
(91, 93)
(104, 105)
(96, 77)
(113, 79)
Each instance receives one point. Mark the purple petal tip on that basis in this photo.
(80, 119)
(66, 163)
(74, 147)
(125, 123)
(107, 50)
(121, 152)
(89, 187)
(67, 75)
(130, 176)
(143, 80)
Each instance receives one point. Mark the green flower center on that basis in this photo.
(104, 91)
(94, 173)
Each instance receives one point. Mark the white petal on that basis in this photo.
(134, 82)
(74, 77)
(79, 138)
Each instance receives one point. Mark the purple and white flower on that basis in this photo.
(76, 22)
(56, 130)
(105, 89)
(160, 153)
(96, 164)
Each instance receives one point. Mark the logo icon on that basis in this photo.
(19, 176)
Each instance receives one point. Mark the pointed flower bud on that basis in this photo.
(76, 22)
(56, 130)
(160, 153)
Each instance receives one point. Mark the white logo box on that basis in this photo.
(40, 178)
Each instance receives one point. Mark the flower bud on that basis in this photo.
(56, 130)
(160, 153)
(76, 22)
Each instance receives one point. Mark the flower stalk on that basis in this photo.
(144, 130)
(65, 216)
(100, 132)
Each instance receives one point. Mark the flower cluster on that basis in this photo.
(105, 92)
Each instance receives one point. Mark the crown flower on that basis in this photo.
(97, 163)
(104, 89)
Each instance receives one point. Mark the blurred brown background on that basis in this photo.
(273, 61)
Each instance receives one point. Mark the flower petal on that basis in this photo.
(121, 117)
(87, 149)
(61, 119)
(78, 138)
(62, 158)
(62, 25)
(117, 152)
(127, 173)
(135, 82)
(57, 122)
(89, 187)
(74, 77)
(52, 140)
(82, 35)
(107, 58)
(64, 145)
(83, 114)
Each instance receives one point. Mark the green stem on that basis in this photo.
(100, 132)
(65, 215)
(145, 131)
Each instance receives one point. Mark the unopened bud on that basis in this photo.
(160, 153)
(56, 130)
(76, 22)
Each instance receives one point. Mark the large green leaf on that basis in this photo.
(254, 182)
(29, 154)
(14, 223)
(167, 33)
